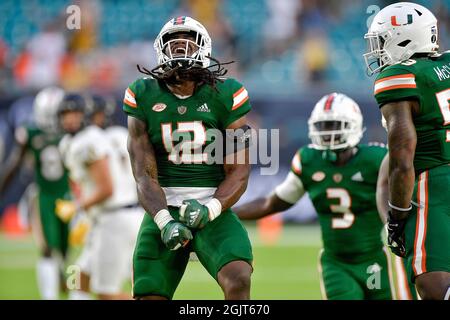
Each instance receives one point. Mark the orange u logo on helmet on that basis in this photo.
(396, 24)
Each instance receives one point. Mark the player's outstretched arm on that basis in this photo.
(382, 193)
(12, 166)
(143, 163)
(282, 198)
(261, 207)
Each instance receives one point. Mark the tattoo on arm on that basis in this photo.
(236, 173)
(143, 163)
(235, 182)
(402, 141)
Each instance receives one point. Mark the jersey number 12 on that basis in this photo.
(191, 136)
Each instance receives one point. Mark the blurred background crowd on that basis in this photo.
(288, 53)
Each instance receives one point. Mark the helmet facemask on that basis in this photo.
(332, 134)
(376, 57)
(183, 49)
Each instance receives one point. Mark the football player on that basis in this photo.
(52, 183)
(100, 110)
(107, 198)
(187, 199)
(413, 93)
(100, 113)
(340, 175)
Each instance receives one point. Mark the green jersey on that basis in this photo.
(344, 198)
(50, 174)
(426, 80)
(177, 127)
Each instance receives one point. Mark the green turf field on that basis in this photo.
(285, 270)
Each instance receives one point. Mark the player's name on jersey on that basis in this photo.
(443, 72)
(220, 145)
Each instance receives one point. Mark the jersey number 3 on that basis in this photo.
(346, 217)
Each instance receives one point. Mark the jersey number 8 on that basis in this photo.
(51, 165)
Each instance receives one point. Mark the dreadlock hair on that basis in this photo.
(210, 75)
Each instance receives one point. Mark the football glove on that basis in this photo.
(396, 235)
(80, 226)
(175, 235)
(65, 209)
(193, 214)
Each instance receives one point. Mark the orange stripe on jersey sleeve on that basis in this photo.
(401, 81)
(238, 92)
(399, 86)
(297, 164)
(239, 98)
(240, 104)
(131, 92)
(129, 98)
(407, 75)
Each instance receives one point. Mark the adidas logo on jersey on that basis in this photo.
(203, 108)
(357, 176)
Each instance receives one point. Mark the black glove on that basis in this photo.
(396, 235)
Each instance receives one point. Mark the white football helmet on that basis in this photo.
(336, 123)
(193, 53)
(45, 108)
(399, 31)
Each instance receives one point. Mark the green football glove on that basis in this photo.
(193, 214)
(175, 235)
